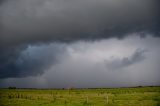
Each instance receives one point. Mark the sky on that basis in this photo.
(79, 43)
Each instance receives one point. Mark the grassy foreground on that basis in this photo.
(142, 96)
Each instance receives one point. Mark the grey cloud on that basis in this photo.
(28, 21)
(120, 63)
(2, 1)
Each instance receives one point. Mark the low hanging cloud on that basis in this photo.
(30, 61)
(119, 64)
(83, 64)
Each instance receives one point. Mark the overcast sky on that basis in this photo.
(79, 43)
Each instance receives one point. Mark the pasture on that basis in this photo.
(140, 96)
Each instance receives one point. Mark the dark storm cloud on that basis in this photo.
(28, 61)
(28, 22)
(8, 57)
(118, 64)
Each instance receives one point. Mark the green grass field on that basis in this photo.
(142, 96)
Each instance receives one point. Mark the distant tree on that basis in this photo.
(140, 86)
(11, 87)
